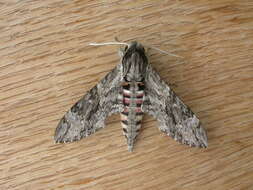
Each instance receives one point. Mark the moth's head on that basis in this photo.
(134, 62)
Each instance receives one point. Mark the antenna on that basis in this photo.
(108, 43)
(165, 52)
(123, 43)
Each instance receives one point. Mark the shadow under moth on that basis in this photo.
(132, 88)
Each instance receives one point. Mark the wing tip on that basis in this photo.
(197, 145)
(204, 145)
(203, 139)
(130, 148)
(57, 140)
(200, 144)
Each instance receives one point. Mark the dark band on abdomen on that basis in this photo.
(124, 122)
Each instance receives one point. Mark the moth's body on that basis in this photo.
(131, 89)
(131, 117)
(134, 64)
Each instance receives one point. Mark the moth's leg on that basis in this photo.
(120, 100)
(121, 51)
(147, 50)
(145, 104)
(116, 39)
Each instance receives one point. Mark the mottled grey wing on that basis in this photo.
(89, 113)
(175, 118)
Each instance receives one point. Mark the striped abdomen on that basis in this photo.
(132, 115)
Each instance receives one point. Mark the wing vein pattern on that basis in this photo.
(89, 113)
(175, 118)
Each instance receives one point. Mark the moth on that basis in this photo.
(132, 88)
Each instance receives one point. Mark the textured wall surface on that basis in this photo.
(46, 66)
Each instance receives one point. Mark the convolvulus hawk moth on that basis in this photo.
(131, 89)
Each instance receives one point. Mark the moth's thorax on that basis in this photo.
(131, 117)
(134, 63)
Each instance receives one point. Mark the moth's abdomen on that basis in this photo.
(132, 115)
